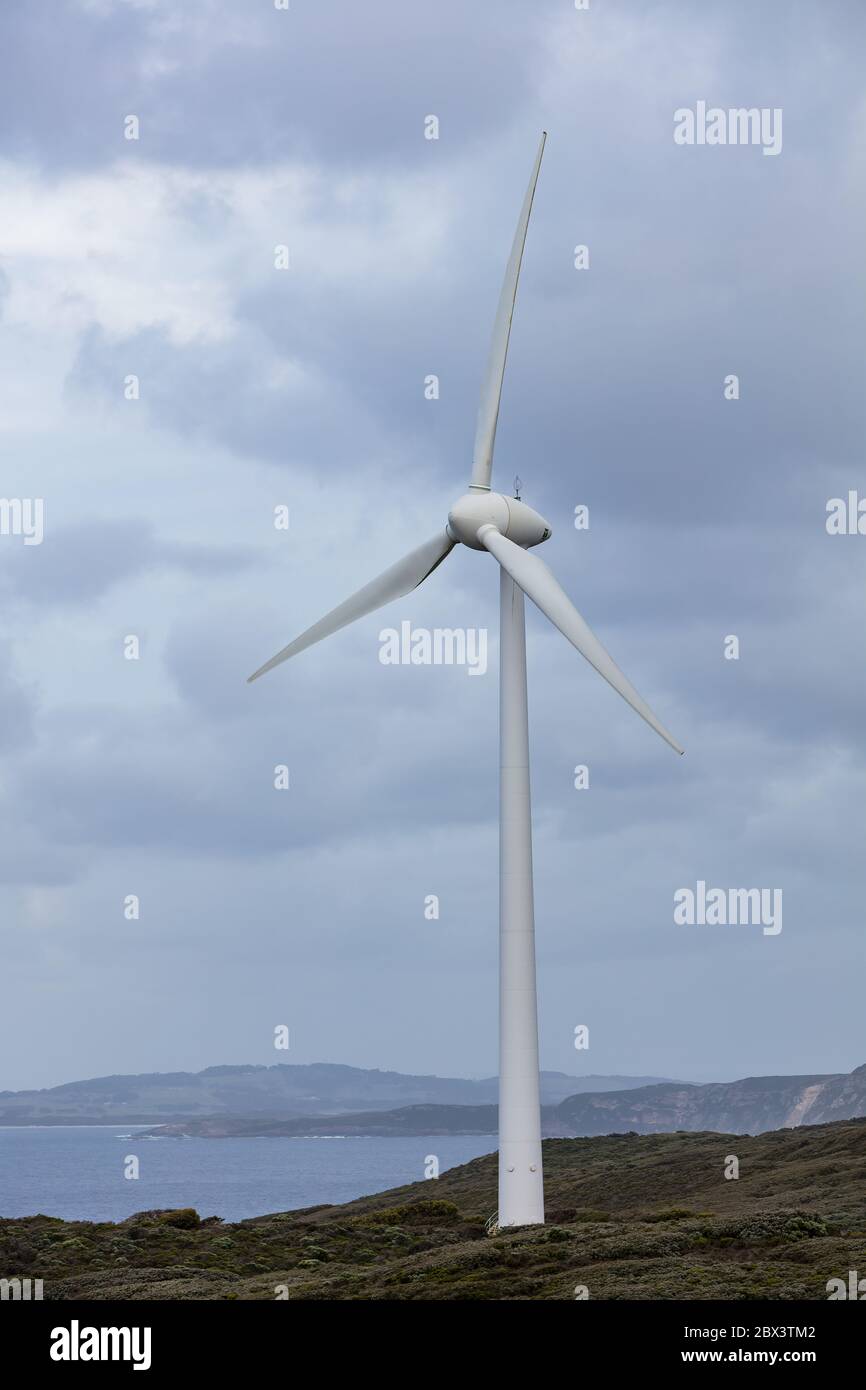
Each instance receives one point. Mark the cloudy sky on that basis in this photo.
(261, 387)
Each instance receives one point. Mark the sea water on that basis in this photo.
(77, 1171)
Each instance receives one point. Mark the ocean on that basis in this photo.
(77, 1171)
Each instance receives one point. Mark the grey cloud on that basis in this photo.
(707, 519)
(17, 708)
(336, 83)
(221, 394)
(79, 562)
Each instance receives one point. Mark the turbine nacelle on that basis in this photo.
(510, 516)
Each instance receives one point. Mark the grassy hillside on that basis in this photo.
(629, 1217)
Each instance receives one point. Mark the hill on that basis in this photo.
(278, 1091)
(629, 1217)
(751, 1106)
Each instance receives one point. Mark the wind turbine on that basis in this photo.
(508, 529)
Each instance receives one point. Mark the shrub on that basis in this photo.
(184, 1218)
(427, 1213)
(314, 1255)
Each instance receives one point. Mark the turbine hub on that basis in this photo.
(509, 515)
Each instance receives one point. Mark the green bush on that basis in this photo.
(184, 1218)
(428, 1213)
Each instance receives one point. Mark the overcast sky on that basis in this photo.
(261, 387)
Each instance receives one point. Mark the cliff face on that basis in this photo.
(750, 1106)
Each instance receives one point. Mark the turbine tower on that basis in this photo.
(506, 528)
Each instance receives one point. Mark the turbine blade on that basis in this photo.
(539, 584)
(491, 390)
(400, 579)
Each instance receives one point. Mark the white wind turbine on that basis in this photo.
(507, 528)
